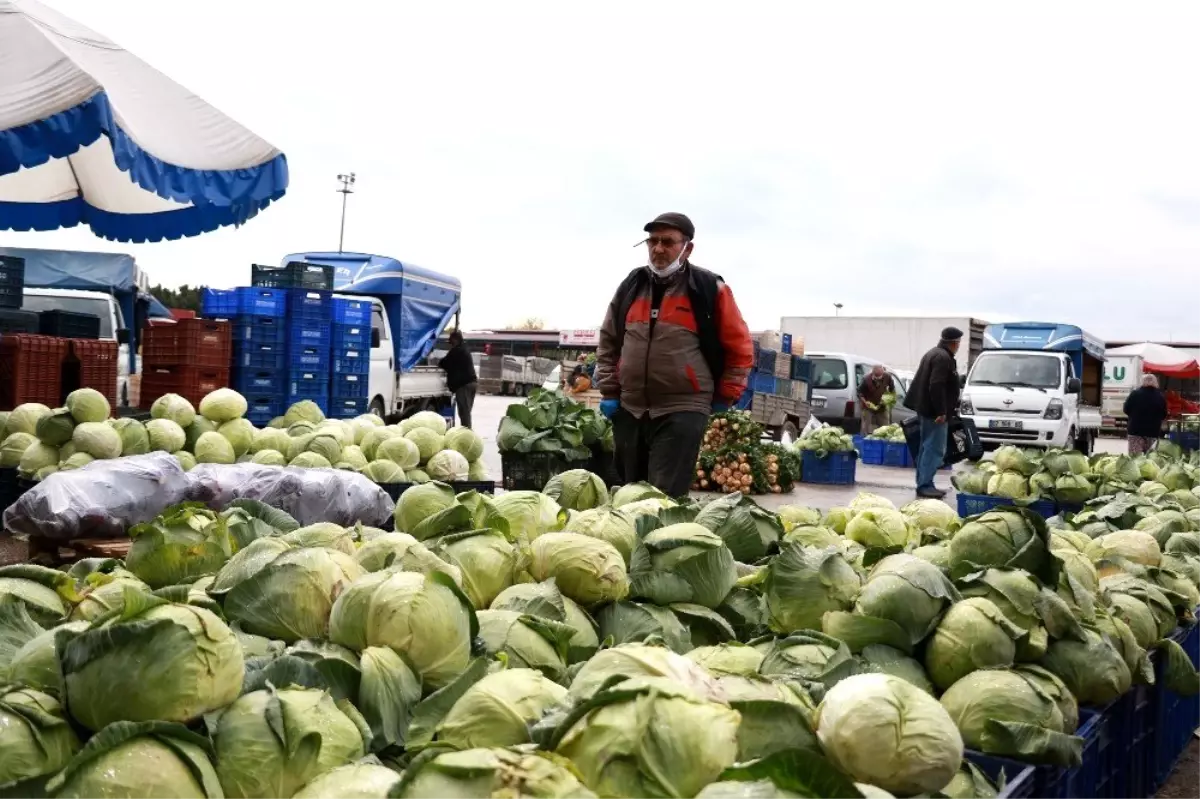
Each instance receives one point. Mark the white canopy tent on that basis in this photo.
(91, 134)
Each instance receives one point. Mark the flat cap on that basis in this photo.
(674, 221)
(951, 334)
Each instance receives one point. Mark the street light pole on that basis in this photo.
(346, 190)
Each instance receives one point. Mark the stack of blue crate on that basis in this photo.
(309, 342)
(257, 318)
(351, 358)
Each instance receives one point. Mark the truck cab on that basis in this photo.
(1036, 384)
(94, 303)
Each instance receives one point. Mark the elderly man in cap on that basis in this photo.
(933, 396)
(673, 348)
(1145, 412)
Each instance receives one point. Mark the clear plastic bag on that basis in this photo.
(100, 500)
(308, 495)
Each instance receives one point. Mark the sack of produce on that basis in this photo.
(100, 500)
(307, 495)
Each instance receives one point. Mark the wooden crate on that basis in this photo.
(49, 552)
(783, 365)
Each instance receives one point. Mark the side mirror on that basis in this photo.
(123, 336)
(374, 337)
(1074, 385)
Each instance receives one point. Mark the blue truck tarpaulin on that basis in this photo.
(111, 273)
(420, 303)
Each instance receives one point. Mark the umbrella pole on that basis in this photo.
(346, 190)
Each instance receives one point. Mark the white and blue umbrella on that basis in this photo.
(91, 134)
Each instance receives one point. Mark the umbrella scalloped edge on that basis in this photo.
(217, 197)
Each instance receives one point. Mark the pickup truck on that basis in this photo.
(1036, 384)
(410, 307)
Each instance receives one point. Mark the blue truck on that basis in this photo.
(1036, 384)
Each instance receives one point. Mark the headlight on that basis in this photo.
(1054, 410)
(965, 407)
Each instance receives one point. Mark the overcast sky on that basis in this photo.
(1040, 161)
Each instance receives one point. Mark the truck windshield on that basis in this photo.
(830, 373)
(1016, 369)
(97, 306)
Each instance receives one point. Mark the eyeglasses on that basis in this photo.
(659, 241)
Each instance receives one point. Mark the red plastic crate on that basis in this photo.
(31, 370)
(188, 342)
(189, 382)
(97, 366)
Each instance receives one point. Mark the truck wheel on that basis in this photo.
(787, 433)
(377, 407)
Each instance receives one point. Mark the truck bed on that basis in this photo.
(421, 381)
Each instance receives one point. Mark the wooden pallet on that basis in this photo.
(49, 552)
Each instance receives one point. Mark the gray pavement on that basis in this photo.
(894, 484)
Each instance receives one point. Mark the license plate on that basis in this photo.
(818, 402)
(1006, 424)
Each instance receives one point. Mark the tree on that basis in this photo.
(531, 323)
(185, 298)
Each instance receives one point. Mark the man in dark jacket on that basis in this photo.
(673, 348)
(460, 377)
(876, 413)
(1145, 411)
(933, 395)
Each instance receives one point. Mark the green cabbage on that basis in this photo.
(586, 569)
(577, 489)
(97, 439)
(165, 435)
(175, 408)
(223, 405)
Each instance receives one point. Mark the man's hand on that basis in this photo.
(609, 407)
(720, 407)
(940, 420)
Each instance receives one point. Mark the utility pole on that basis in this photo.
(346, 190)
(837, 309)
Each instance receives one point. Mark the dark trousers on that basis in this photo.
(659, 451)
(464, 398)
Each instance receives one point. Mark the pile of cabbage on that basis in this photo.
(824, 441)
(1071, 478)
(579, 642)
(39, 441)
(548, 421)
(892, 433)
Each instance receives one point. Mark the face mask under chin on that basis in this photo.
(670, 268)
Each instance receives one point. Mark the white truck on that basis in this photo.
(1036, 384)
(410, 307)
(897, 341)
(511, 375)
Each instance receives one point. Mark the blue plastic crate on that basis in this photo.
(766, 361)
(870, 450)
(259, 356)
(351, 312)
(259, 329)
(310, 304)
(351, 336)
(308, 381)
(802, 369)
(1020, 779)
(837, 468)
(261, 410)
(1025, 779)
(1187, 439)
(245, 301)
(348, 386)
(347, 361)
(975, 504)
(347, 407)
(762, 383)
(1133, 716)
(218, 303)
(309, 332)
(258, 382)
(308, 356)
(1176, 717)
(896, 455)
